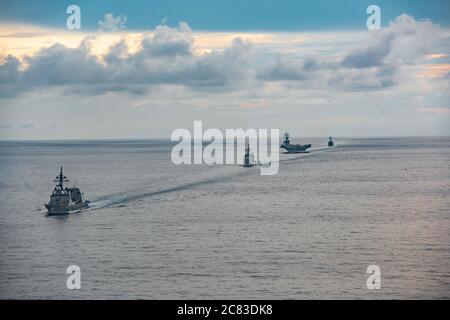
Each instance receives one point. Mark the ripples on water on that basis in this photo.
(156, 230)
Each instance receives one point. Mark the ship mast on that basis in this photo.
(286, 138)
(247, 157)
(61, 179)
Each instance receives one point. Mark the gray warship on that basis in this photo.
(293, 148)
(63, 200)
(330, 143)
(247, 158)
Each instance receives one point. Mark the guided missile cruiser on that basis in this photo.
(293, 148)
(63, 200)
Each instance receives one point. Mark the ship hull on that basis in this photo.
(58, 210)
(296, 148)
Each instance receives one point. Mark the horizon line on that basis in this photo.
(168, 138)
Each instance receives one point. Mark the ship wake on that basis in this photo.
(222, 174)
(124, 198)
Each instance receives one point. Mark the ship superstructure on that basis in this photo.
(248, 161)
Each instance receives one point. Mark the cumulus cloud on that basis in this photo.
(111, 23)
(58, 65)
(284, 69)
(168, 42)
(166, 57)
(378, 63)
(290, 69)
(404, 40)
(9, 70)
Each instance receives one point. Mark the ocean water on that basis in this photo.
(160, 231)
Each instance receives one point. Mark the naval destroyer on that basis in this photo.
(64, 200)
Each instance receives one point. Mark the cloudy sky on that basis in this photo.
(145, 68)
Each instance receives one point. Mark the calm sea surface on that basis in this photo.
(156, 230)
